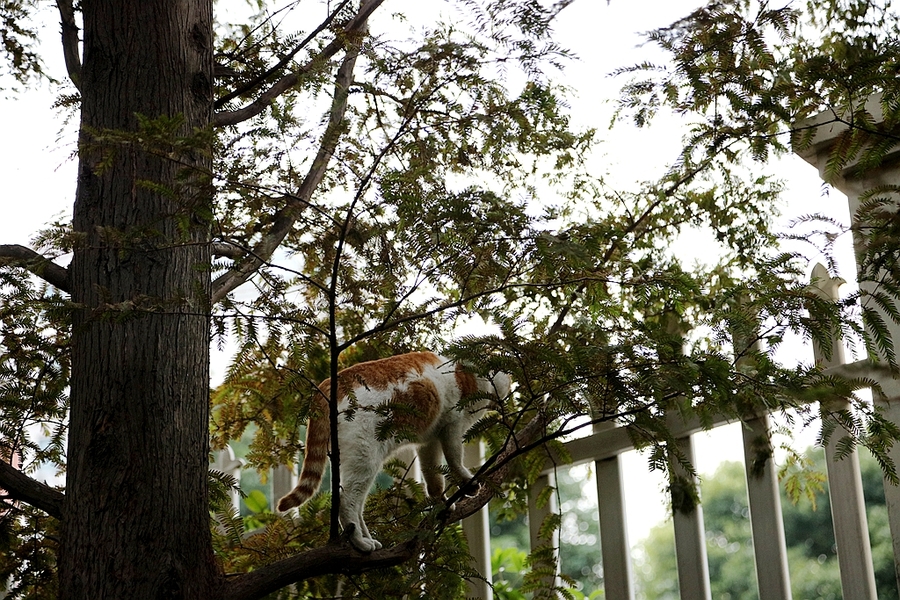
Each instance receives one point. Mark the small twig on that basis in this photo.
(258, 80)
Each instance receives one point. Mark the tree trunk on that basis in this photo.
(136, 521)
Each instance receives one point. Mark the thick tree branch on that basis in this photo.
(71, 53)
(356, 26)
(340, 557)
(22, 487)
(285, 218)
(20, 256)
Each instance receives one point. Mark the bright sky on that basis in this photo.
(607, 37)
(39, 174)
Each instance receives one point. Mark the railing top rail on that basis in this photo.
(612, 441)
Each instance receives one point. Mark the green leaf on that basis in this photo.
(256, 501)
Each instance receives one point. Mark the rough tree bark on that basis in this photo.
(134, 515)
(135, 520)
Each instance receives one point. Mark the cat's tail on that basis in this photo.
(318, 441)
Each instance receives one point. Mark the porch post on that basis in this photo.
(848, 511)
(766, 522)
(854, 185)
(615, 551)
(690, 538)
(477, 532)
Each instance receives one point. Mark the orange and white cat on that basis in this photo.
(418, 393)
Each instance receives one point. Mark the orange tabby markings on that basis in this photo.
(379, 374)
(413, 397)
(468, 385)
(414, 410)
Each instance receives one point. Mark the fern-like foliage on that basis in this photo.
(456, 210)
(34, 375)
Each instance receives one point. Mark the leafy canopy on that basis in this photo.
(371, 200)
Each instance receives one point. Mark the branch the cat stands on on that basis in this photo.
(418, 395)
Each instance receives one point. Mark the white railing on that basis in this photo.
(607, 443)
(604, 448)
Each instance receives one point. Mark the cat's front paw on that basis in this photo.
(359, 540)
(365, 544)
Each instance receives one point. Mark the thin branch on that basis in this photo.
(21, 256)
(632, 228)
(336, 348)
(351, 32)
(341, 93)
(285, 218)
(71, 53)
(22, 487)
(339, 557)
(261, 78)
(240, 51)
(387, 325)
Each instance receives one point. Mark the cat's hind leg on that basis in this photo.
(451, 442)
(430, 459)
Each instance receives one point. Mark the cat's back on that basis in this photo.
(414, 391)
(374, 381)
